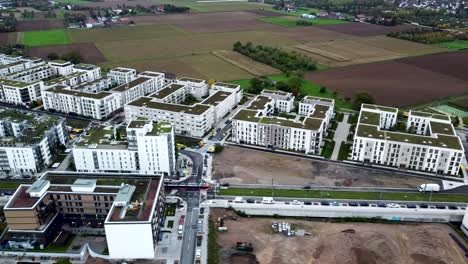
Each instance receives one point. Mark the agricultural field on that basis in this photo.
(362, 29)
(362, 50)
(88, 51)
(289, 21)
(33, 25)
(335, 242)
(388, 81)
(246, 63)
(46, 37)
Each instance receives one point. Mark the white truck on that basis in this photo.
(429, 187)
(268, 200)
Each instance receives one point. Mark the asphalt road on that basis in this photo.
(193, 202)
(221, 134)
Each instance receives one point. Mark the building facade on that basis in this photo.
(148, 149)
(427, 143)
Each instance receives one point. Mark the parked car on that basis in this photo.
(393, 205)
(382, 204)
(440, 206)
(335, 203)
(250, 201)
(325, 203)
(307, 187)
(365, 204)
(307, 203)
(423, 206)
(453, 207)
(353, 204)
(411, 206)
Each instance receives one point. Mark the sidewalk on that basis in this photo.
(341, 135)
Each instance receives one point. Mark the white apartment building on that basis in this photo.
(20, 93)
(62, 68)
(196, 87)
(158, 77)
(98, 105)
(196, 120)
(308, 104)
(28, 142)
(136, 88)
(122, 75)
(229, 87)
(93, 72)
(33, 74)
(284, 102)
(148, 149)
(428, 143)
(71, 79)
(8, 59)
(255, 125)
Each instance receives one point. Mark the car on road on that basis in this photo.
(335, 203)
(210, 137)
(424, 206)
(198, 253)
(250, 201)
(324, 203)
(307, 187)
(307, 203)
(353, 204)
(453, 207)
(393, 205)
(296, 202)
(382, 205)
(218, 129)
(411, 206)
(365, 204)
(440, 206)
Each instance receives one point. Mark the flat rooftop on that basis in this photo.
(65, 90)
(430, 115)
(15, 84)
(309, 123)
(227, 85)
(379, 107)
(131, 84)
(100, 135)
(151, 74)
(259, 102)
(216, 98)
(167, 90)
(147, 102)
(308, 98)
(123, 70)
(185, 79)
(64, 78)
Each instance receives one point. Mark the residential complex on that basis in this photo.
(256, 124)
(167, 105)
(147, 149)
(29, 142)
(129, 209)
(121, 75)
(427, 142)
(284, 102)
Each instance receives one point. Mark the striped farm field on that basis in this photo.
(246, 63)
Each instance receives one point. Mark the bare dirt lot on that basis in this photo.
(88, 51)
(388, 81)
(361, 29)
(39, 25)
(240, 165)
(330, 243)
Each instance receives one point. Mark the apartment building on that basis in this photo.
(136, 88)
(29, 142)
(93, 72)
(308, 105)
(229, 87)
(97, 105)
(148, 149)
(196, 87)
(62, 68)
(158, 78)
(122, 75)
(71, 79)
(20, 93)
(33, 74)
(256, 125)
(166, 105)
(427, 143)
(13, 67)
(284, 102)
(127, 208)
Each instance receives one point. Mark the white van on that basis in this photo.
(238, 199)
(181, 229)
(429, 187)
(268, 200)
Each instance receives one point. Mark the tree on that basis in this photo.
(218, 148)
(295, 82)
(282, 86)
(237, 46)
(323, 89)
(53, 56)
(190, 99)
(73, 56)
(211, 82)
(362, 98)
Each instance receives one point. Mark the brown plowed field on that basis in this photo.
(39, 25)
(8, 38)
(115, 3)
(88, 51)
(309, 34)
(265, 13)
(361, 29)
(337, 243)
(454, 64)
(391, 83)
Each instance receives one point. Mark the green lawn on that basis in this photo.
(299, 11)
(10, 185)
(436, 197)
(46, 37)
(289, 21)
(327, 149)
(456, 45)
(307, 88)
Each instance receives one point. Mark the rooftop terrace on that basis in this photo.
(227, 85)
(167, 90)
(147, 102)
(16, 84)
(216, 98)
(259, 102)
(131, 84)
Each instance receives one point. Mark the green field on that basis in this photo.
(46, 37)
(456, 45)
(289, 21)
(196, 6)
(298, 12)
(395, 196)
(307, 88)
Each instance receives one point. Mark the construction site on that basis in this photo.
(276, 240)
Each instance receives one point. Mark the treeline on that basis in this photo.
(429, 36)
(292, 84)
(8, 23)
(275, 57)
